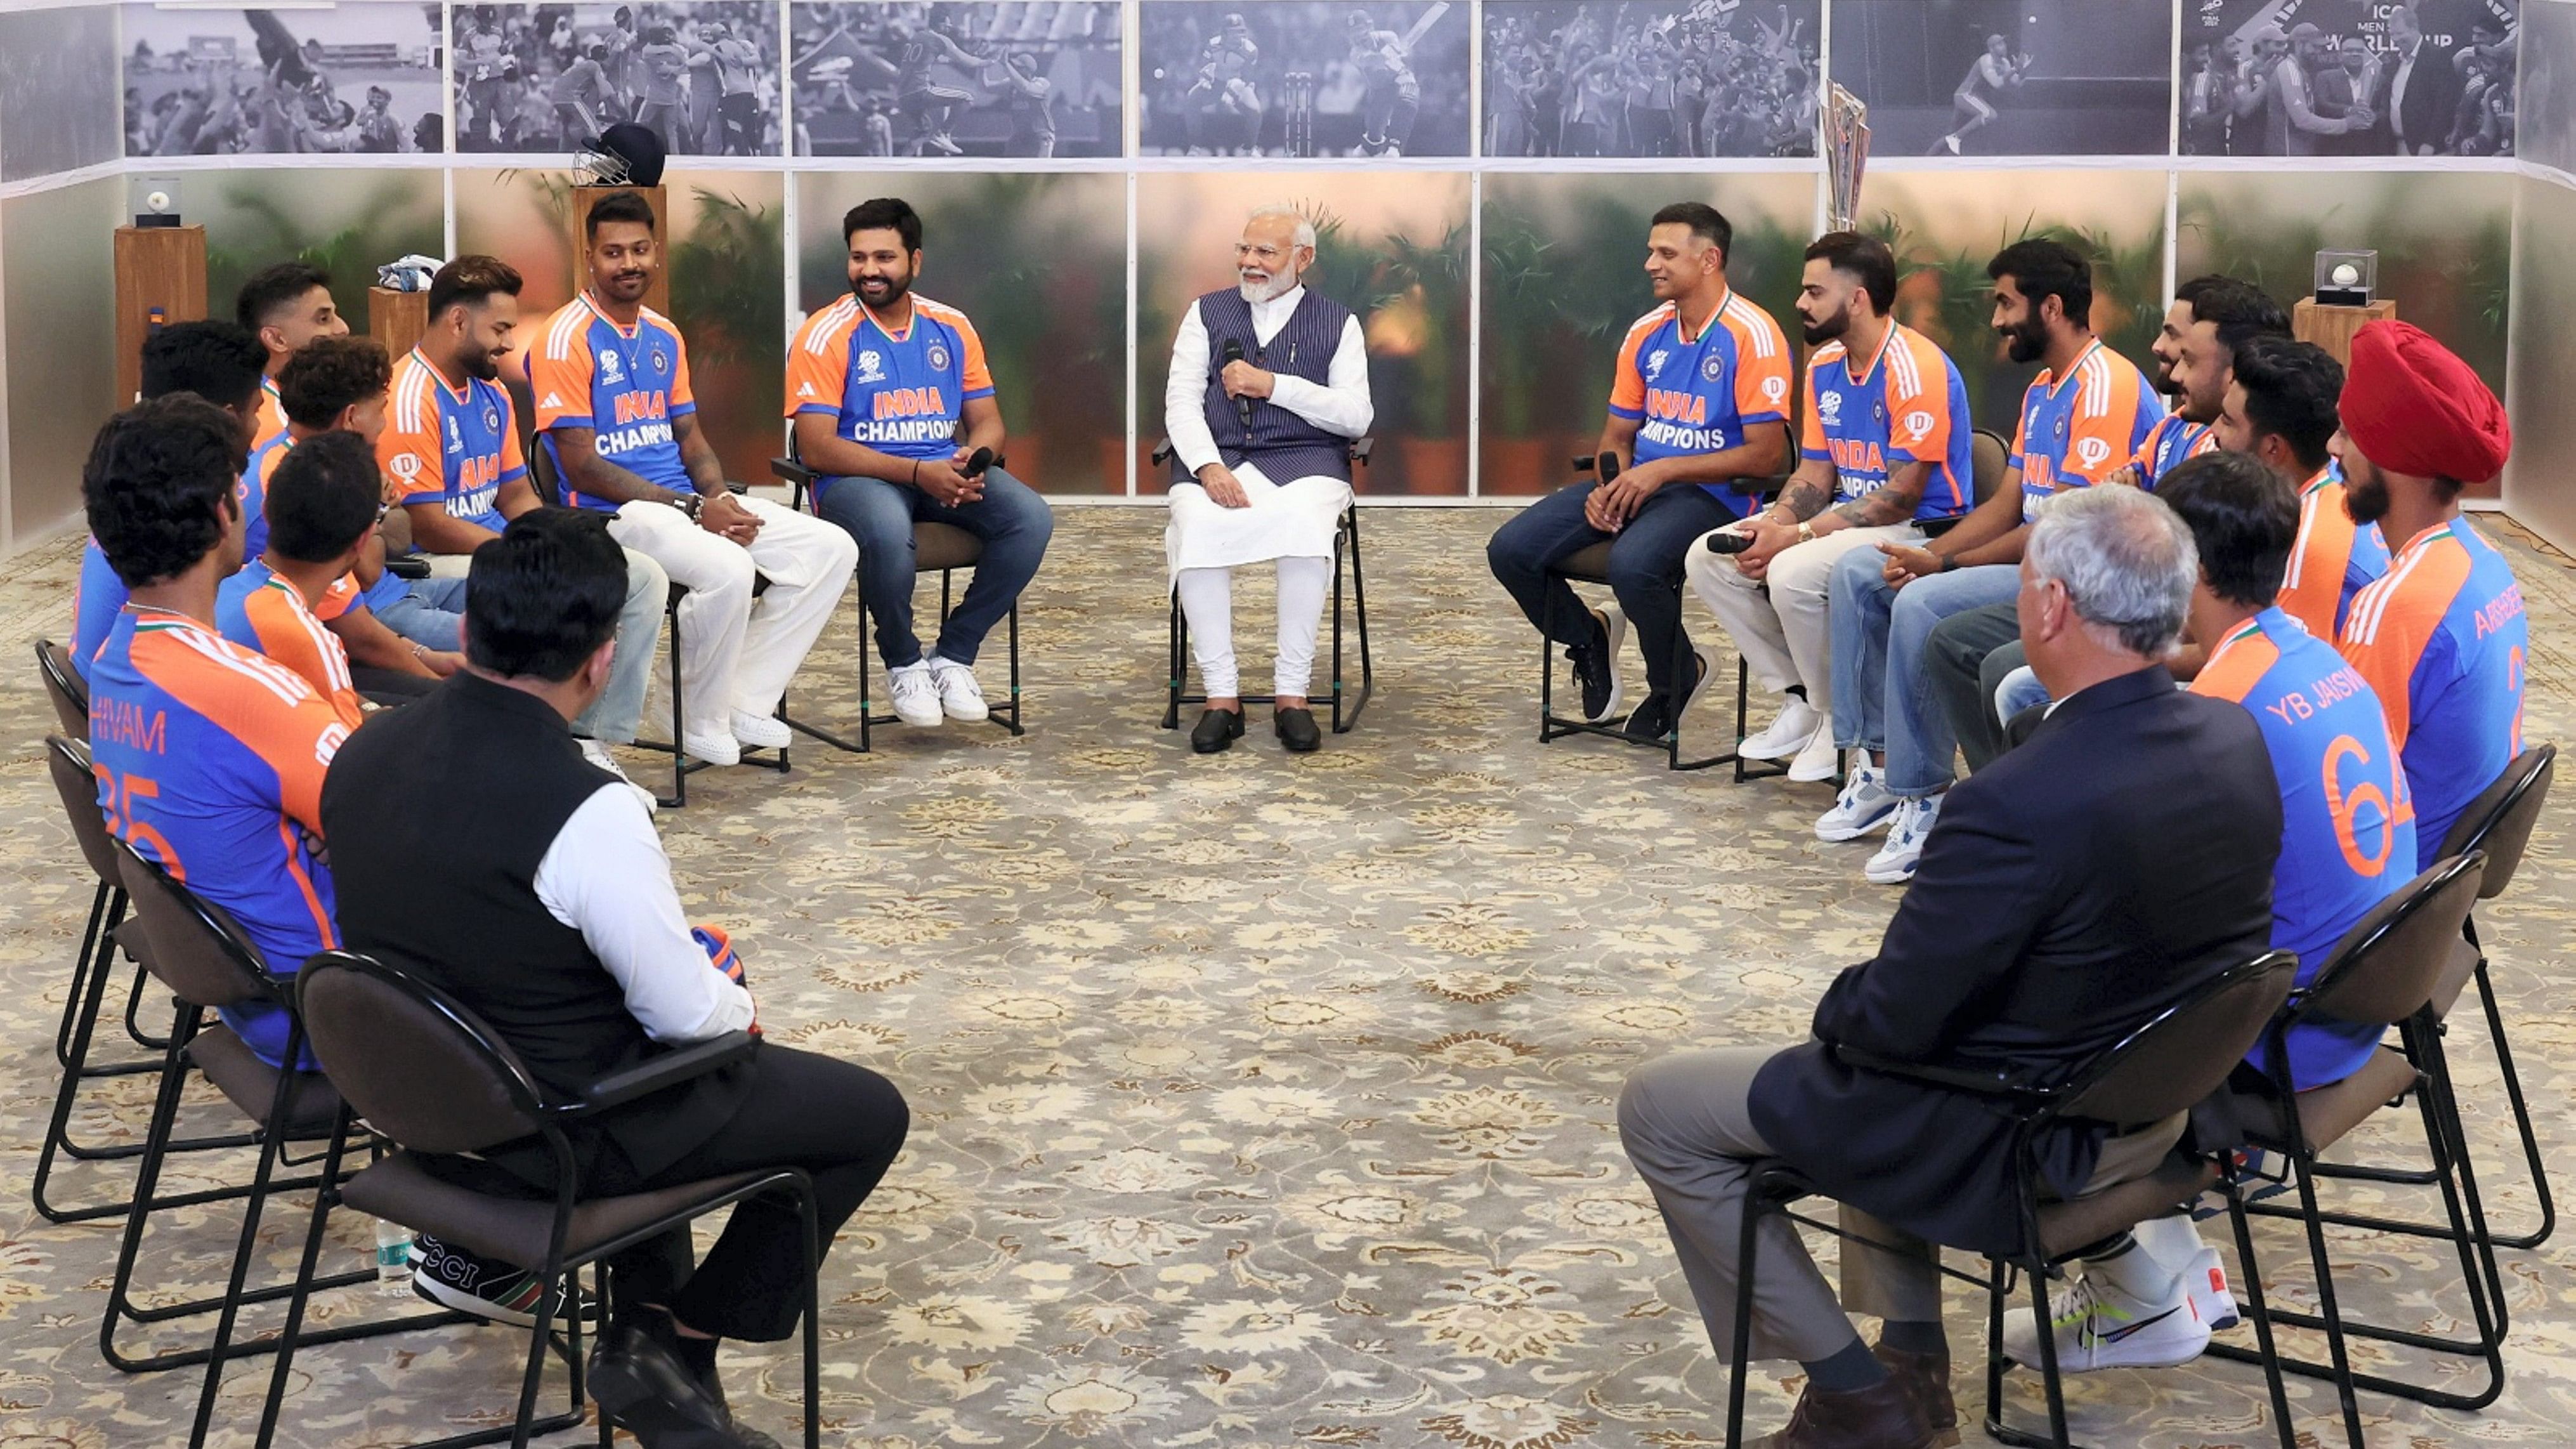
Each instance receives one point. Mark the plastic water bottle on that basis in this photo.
(393, 1259)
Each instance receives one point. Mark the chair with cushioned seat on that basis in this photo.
(2384, 972)
(433, 1078)
(195, 949)
(69, 694)
(2163, 1067)
(1346, 549)
(940, 548)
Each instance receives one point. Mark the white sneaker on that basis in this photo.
(1707, 677)
(1614, 632)
(761, 731)
(1785, 735)
(2102, 1327)
(1818, 761)
(2206, 1281)
(1863, 806)
(959, 695)
(916, 695)
(597, 754)
(714, 749)
(1894, 864)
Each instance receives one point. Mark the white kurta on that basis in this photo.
(1289, 518)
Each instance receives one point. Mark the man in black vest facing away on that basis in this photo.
(483, 853)
(1269, 384)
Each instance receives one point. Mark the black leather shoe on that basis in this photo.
(642, 1387)
(1297, 731)
(1217, 730)
(1652, 719)
(751, 1438)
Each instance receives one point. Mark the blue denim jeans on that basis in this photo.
(1882, 700)
(1011, 518)
(431, 614)
(1645, 566)
(612, 718)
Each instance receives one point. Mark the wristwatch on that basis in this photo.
(1806, 532)
(690, 503)
(1949, 561)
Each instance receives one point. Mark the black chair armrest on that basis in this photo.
(788, 470)
(667, 1070)
(737, 489)
(407, 566)
(1950, 1079)
(1362, 448)
(1587, 463)
(1162, 452)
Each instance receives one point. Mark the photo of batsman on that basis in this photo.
(1304, 79)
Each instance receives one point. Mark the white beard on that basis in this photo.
(1279, 285)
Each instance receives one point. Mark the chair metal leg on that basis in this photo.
(2265, 1349)
(1740, 1354)
(2521, 1120)
(1359, 616)
(1012, 628)
(2327, 1309)
(805, 1214)
(1174, 679)
(1998, 1285)
(93, 943)
(133, 1014)
(248, 1244)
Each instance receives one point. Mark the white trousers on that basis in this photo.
(1207, 601)
(737, 653)
(1779, 620)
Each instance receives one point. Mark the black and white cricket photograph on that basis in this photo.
(2349, 77)
(2009, 77)
(1290, 78)
(1680, 78)
(359, 77)
(702, 76)
(957, 78)
(58, 86)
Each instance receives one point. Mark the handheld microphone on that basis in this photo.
(976, 463)
(1727, 541)
(1242, 405)
(1606, 466)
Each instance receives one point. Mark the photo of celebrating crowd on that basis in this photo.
(958, 78)
(2350, 78)
(326, 78)
(2009, 77)
(1660, 78)
(1320, 79)
(702, 77)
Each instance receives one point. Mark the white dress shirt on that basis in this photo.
(1340, 405)
(605, 876)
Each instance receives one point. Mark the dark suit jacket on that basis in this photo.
(2432, 100)
(2071, 890)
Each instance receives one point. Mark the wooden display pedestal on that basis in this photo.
(2332, 327)
(658, 297)
(397, 319)
(160, 279)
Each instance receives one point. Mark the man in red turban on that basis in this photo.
(2442, 638)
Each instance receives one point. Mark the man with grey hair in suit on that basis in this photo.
(1269, 385)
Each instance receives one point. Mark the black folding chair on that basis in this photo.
(432, 1077)
(2382, 973)
(1346, 548)
(937, 548)
(70, 696)
(550, 487)
(2164, 1066)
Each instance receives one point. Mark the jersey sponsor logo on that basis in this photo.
(871, 365)
(937, 357)
(1829, 409)
(1774, 388)
(553, 400)
(1918, 423)
(327, 744)
(804, 389)
(908, 402)
(2093, 452)
(407, 466)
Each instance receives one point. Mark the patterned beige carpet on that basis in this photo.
(1258, 1102)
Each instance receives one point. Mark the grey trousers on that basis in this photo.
(1687, 1123)
(1955, 660)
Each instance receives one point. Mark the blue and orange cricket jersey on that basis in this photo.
(272, 414)
(96, 601)
(2334, 560)
(252, 491)
(210, 762)
(450, 445)
(2443, 641)
(1697, 392)
(2347, 824)
(267, 615)
(624, 384)
(2081, 429)
(1907, 404)
(900, 393)
(2173, 439)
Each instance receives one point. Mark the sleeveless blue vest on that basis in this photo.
(1283, 445)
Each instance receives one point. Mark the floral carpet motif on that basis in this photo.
(1258, 1101)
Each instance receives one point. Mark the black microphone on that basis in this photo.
(1242, 405)
(1607, 466)
(976, 463)
(1728, 541)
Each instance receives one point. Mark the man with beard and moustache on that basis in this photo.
(1887, 458)
(1699, 399)
(890, 400)
(2442, 639)
(1261, 464)
(618, 417)
(450, 452)
(2086, 412)
(1975, 663)
(2281, 410)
